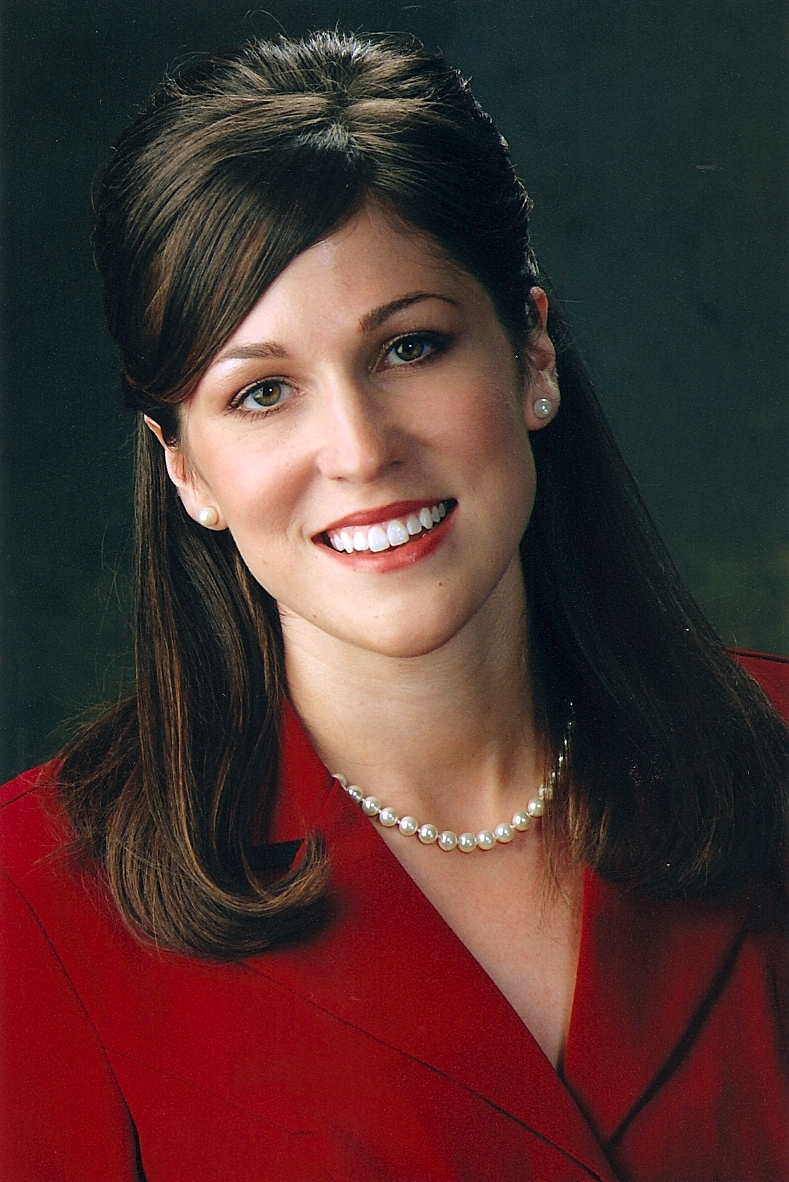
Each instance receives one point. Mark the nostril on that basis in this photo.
(358, 442)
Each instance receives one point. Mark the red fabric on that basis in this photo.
(379, 1049)
(772, 673)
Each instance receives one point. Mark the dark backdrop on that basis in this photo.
(652, 137)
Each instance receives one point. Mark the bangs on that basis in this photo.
(236, 230)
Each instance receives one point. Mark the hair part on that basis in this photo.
(676, 783)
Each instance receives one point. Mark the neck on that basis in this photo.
(447, 735)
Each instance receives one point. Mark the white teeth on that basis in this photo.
(396, 533)
(378, 539)
(390, 533)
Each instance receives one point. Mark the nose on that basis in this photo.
(359, 443)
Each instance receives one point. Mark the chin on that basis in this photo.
(410, 633)
(398, 634)
(409, 645)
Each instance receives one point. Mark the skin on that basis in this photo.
(374, 373)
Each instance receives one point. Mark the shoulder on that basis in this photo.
(37, 865)
(772, 674)
(32, 825)
(29, 781)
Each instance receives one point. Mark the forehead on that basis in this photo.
(373, 259)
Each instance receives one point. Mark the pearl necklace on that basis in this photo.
(448, 839)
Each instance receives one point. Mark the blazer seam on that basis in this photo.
(779, 1014)
(217, 1095)
(747, 652)
(431, 1067)
(682, 1049)
(33, 781)
(40, 925)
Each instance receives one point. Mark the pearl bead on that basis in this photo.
(543, 408)
(208, 516)
(447, 840)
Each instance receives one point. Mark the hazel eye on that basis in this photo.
(265, 395)
(415, 347)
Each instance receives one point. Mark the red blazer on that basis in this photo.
(379, 1049)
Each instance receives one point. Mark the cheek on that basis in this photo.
(252, 489)
(502, 448)
(489, 430)
(486, 405)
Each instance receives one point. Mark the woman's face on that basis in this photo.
(370, 390)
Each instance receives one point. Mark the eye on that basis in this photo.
(415, 347)
(263, 395)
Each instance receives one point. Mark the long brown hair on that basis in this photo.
(677, 783)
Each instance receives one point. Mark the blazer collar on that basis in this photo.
(647, 973)
(390, 965)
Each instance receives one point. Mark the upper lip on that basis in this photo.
(382, 514)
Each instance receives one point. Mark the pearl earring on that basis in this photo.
(208, 516)
(543, 408)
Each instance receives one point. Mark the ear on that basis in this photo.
(195, 503)
(541, 388)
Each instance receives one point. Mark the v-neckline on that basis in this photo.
(644, 970)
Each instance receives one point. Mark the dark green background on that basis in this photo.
(652, 137)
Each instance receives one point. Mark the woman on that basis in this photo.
(440, 838)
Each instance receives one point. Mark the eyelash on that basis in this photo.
(249, 390)
(436, 342)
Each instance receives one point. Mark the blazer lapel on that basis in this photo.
(647, 971)
(388, 964)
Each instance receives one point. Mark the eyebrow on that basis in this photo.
(255, 349)
(368, 323)
(372, 320)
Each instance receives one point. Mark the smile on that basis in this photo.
(384, 535)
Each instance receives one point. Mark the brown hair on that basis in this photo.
(231, 170)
